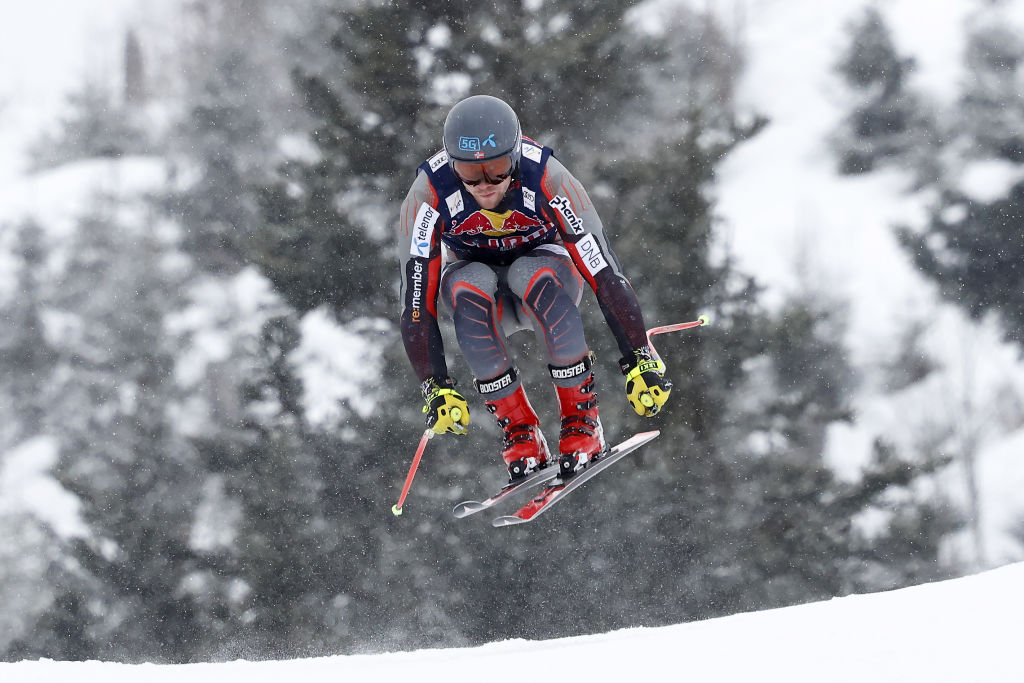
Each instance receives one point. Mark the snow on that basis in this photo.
(989, 180)
(1002, 479)
(26, 486)
(336, 365)
(82, 187)
(795, 213)
(961, 630)
(792, 221)
(88, 36)
(788, 218)
(222, 314)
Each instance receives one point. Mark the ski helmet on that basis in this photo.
(481, 128)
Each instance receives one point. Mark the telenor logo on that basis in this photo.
(423, 230)
(471, 144)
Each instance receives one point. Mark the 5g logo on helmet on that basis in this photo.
(471, 144)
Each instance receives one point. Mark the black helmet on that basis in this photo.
(481, 128)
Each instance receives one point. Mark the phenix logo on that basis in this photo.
(563, 206)
(495, 224)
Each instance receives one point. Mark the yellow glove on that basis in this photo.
(646, 387)
(446, 409)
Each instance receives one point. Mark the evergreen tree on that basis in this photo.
(906, 548)
(96, 125)
(972, 248)
(310, 561)
(802, 537)
(26, 358)
(990, 105)
(888, 121)
(973, 251)
(120, 454)
(909, 363)
(238, 105)
(33, 558)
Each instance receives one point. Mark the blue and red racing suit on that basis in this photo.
(545, 204)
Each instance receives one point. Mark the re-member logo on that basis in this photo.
(417, 291)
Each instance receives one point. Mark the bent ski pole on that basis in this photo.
(699, 322)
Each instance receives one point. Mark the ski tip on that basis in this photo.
(507, 520)
(467, 508)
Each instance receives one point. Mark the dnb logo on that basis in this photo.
(476, 145)
(495, 224)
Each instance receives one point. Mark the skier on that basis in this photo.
(504, 234)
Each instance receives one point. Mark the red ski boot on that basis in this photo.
(582, 436)
(524, 448)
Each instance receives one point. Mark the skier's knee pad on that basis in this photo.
(476, 327)
(463, 275)
(557, 317)
(548, 259)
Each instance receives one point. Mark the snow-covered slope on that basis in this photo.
(951, 632)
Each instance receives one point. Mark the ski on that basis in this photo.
(469, 507)
(560, 488)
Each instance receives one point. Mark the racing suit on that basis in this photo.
(518, 266)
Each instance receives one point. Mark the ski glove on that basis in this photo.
(446, 409)
(646, 387)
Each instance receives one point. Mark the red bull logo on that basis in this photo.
(495, 224)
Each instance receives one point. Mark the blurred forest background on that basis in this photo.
(233, 502)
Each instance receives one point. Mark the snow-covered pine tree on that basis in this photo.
(888, 121)
(106, 403)
(972, 247)
(991, 111)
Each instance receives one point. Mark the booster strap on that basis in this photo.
(577, 369)
(502, 381)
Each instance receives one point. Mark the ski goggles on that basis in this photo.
(493, 172)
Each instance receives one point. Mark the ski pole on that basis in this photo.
(428, 434)
(699, 322)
